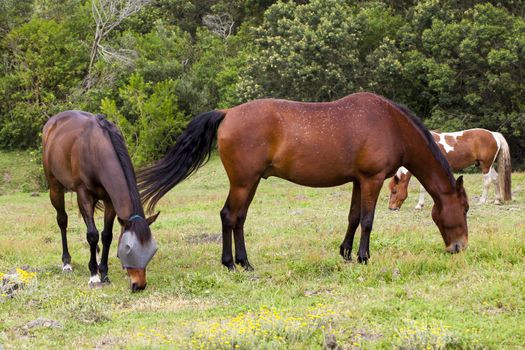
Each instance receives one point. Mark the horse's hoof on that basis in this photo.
(362, 260)
(345, 253)
(94, 282)
(96, 285)
(230, 266)
(105, 280)
(418, 207)
(67, 268)
(245, 264)
(248, 267)
(498, 202)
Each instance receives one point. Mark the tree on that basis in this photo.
(108, 15)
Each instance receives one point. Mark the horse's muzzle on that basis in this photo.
(136, 288)
(137, 279)
(456, 247)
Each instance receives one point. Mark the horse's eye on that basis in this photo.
(394, 192)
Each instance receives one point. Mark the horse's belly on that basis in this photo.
(310, 176)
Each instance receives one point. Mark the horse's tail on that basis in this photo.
(191, 151)
(504, 167)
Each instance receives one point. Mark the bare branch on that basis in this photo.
(221, 24)
(109, 14)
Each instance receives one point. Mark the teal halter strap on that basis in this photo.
(135, 217)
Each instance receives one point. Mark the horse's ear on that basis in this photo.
(459, 185)
(152, 218)
(124, 223)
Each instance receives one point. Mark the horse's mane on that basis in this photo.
(430, 141)
(140, 227)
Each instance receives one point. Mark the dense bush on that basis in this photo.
(457, 64)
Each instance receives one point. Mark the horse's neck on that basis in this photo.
(430, 173)
(119, 193)
(434, 179)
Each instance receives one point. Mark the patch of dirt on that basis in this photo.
(330, 342)
(109, 342)
(165, 304)
(357, 336)
(366, 335)
(204, 238)
(496, 310)
(7, 177)
(297, 212)
(42, 323)
(310, 293)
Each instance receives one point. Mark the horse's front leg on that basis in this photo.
(421, 200)
(86, 204)
(107, 237)
(370, 188)
(354, 216)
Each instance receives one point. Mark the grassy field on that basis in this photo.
(412, 295)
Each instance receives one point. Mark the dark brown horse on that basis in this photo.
(363, 138)
(86, 154)
(463, 149)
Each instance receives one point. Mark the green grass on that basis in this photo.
(19, 172)
(412, 295)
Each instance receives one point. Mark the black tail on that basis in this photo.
(191, 151)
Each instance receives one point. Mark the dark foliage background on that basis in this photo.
(457, 64)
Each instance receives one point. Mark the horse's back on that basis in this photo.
(466, 147)
(314, 144)
(69, 140)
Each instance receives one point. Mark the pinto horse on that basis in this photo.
(462, 149)
(354, 139)
(87, 154)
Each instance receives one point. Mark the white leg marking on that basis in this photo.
(421, 200)
(401, 171)
(67, 268)
(94, 280)
(494, 178)
(486, 184)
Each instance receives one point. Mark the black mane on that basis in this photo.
(430, 141)
(140, 227)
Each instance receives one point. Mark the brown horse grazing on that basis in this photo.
(356, 138)
(87, 154)
(462, 149)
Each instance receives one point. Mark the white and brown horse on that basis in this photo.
(462, 149)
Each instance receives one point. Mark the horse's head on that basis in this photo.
(398, 190)
(451, 218)
(136, 248)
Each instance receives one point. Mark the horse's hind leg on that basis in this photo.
(489, 176)
(56, 194)
(233, 216)
(107, 237)
(354, 216)
(241, 257)
(369, 192)
(494, 178)
(86, 204)
(486, 185)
